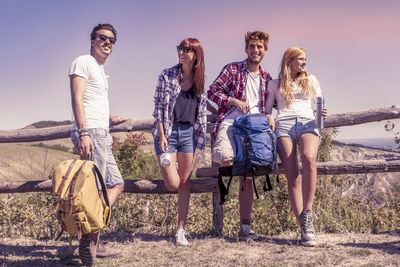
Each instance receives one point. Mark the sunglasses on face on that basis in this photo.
(105, 37)
(185, 49)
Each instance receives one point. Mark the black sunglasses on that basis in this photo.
(105, 37)
(185, 49)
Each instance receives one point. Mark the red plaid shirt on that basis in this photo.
(231, 82)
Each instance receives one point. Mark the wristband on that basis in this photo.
(81, 130)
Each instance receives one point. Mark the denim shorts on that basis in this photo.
(102, 156)
(295, 127)
(182, 139)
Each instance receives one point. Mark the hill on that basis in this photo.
(356, 182)
(24, 162)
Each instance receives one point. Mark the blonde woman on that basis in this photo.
(295, 92)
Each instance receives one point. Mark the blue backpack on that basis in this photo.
(255, 152)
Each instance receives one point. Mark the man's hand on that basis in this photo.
(116, 120)
(244, 107)
(85, 145)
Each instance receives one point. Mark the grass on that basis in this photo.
(25, 162)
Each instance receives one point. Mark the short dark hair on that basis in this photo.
(104, 26)
(257, 35)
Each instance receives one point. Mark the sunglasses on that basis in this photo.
(105, 37)
(185, 49)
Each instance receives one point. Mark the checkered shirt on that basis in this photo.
(167, 90)
(231, 82)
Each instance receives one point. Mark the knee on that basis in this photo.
(295, 180)
(172, 187)
(120, 188)
(309, 161)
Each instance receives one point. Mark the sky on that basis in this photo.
(352, 48)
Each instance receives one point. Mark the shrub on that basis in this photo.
(27, 214)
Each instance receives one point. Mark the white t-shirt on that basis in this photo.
(252, 93)
(302, 106)
(95, 100)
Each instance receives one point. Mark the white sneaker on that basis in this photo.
(307, 229)
(246, 233)
(180, 239)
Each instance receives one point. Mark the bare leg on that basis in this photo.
(114, 192)
(170, 174)
(288, 154)
(309, 143)
(245, 200)
(185, 164)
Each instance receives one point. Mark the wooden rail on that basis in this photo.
(206, 183)
(331, 167)
(131, 186)
(333, 120)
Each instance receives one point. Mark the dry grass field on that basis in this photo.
(151, 250)
(22, 162)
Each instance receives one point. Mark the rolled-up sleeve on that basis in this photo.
(218, 92)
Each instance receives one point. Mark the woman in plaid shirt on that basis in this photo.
(180, 123)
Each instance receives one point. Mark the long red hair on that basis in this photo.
(198, 65)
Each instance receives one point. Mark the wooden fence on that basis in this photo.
(206, 182)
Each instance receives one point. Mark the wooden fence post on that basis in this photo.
(218, 209)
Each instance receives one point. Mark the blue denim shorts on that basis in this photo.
(102, 156)
(182, 139)
(295, 127)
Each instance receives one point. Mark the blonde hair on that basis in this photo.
(286, 83)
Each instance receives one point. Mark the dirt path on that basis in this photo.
(153, 250)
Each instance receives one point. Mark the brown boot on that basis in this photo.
(87, 248)
(106, 252)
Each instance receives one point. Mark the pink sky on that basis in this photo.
(352, 48)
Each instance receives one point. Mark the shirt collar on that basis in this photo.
(244, 67)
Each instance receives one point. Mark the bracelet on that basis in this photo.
(81, 130)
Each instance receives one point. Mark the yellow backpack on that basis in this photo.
(81, 210)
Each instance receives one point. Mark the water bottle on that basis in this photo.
(320, 106)
(165, 160)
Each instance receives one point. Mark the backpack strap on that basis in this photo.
(60, 188)
(224, 190)
(78, 226)
(267, 183)
(104, 190)
(71, 189)
(254, 182)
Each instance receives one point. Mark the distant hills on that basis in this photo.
(387, 143)
(45, 124)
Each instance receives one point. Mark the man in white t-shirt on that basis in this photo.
(90, 133)
(240, 88)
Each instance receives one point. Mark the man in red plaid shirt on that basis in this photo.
(240, 88)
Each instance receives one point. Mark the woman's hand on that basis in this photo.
(116, 120)
(271, 122)
(324, 113)
(163, 143)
